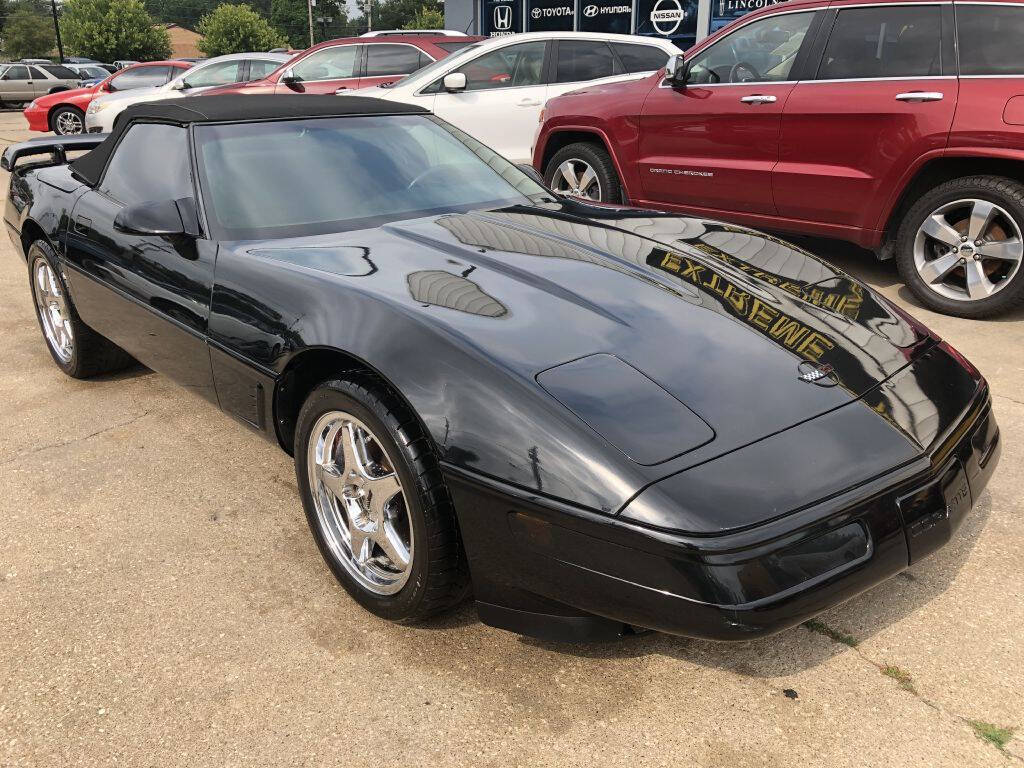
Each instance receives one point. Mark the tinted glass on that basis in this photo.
(583, 60)
(990, 39)
(35, 74)
(354, 172)
(334, 63)
(142, 77)
(215, 74)
(61, 73)
(640, 58)
(17, 72)
(896, 41)
(515, 65)
(150, 164)
(259, 69)
(383, 60)
(761, 52)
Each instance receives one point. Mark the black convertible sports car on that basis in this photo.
(596, 418)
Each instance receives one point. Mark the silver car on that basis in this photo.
(21, 83)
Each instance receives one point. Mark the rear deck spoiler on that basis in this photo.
(56, 147)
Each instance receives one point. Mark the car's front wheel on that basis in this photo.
(960, 247)
(375, 500)
(67, 121)
(75, 347)
(584, 170)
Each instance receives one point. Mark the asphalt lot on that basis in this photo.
(162, 603)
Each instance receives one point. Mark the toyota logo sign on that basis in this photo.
(535, 13)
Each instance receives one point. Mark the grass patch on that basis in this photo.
(900, 676)
(993, 734)
(824, 629)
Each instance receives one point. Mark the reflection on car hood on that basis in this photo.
(720, 316)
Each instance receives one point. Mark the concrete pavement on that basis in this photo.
(162, 603)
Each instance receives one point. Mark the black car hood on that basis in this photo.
(719, 316)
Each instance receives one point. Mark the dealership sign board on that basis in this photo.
(724, 11)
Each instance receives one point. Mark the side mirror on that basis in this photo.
(533, 173)
(166, 217)
(288, 77)
(454, 82)
(677, 71)
(181, 85)
(5, 77)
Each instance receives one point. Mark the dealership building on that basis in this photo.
(683, 21)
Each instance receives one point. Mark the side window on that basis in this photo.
(884, 41)
(140, 77)
(580, 60)
(760, 52)
(17, 72)
(384, 59)
(216, 74)
(514, 65)
(136, 174)
(258, 68)
(990, 37)
(334, 63)
(35, 74)
(640, 58)
(61, 73)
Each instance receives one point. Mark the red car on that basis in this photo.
(898, 126)
(64, 112)
(352, 62)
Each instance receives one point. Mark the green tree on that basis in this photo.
(236, 28)
(426, 18)
(112, 29)
(290, 16)
(188, 13)
(28, 35)
(399, 14)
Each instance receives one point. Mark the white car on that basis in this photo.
(233, 68)
(495, 90)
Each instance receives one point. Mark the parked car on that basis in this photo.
(233, 68)
(64, 112)
(495, 90)
(600, 418)
(21, 83)
(91, 74)
(416, 32)
(349, 63)
(854, 122)
(124, 63)
(78, 60)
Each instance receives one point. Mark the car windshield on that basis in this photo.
(428, 72)
(292, 178)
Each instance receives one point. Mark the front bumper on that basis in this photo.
(37, 118)
(551, 570)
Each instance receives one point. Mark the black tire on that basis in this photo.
(66, 109)
(90, 353)
(596, 157)
(1004, 192)
(439, 576)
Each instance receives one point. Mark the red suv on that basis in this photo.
(352, 62)
(896, 125)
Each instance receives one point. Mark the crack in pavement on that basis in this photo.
(917, 695)
(1006, 397)
(91, 435)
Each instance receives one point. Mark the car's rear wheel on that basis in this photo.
(960, 247)
(67, 121)
(75, 347)
(584, 170)
(375, 500)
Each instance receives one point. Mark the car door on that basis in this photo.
(712, 144)
(387, 62)
(325, 70)
(16, 84)
(221, 73)
(882, 96)
(505, 91)
(149, 294)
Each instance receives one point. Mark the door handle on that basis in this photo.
(919, 96)
(758, 98)
(529, 103)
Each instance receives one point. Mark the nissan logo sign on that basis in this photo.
(666, 16)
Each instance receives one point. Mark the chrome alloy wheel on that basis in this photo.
(968, 250)
(68, 123)
(53, 310)
(360, 503)
(577, 179)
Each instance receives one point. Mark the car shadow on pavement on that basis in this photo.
(798, 649)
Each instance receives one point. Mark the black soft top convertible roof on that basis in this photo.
(232, 107)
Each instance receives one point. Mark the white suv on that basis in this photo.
(495, 90)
